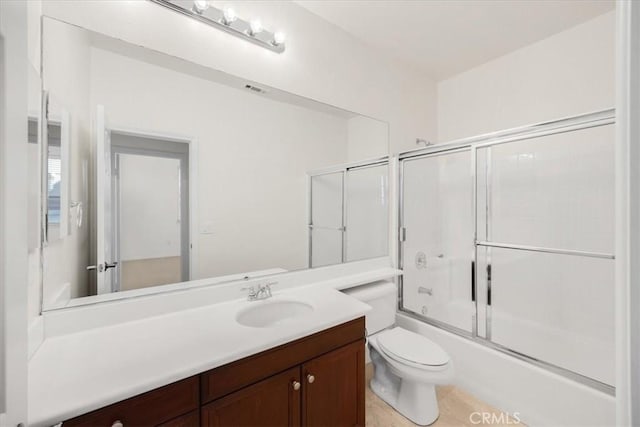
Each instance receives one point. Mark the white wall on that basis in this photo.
(149, 207)
(13, 209)
(367, 138)
(66, 79)
(566, 74)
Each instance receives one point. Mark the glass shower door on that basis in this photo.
(326, 227)
(367, 212)
(545, 249)
(437, 247)
(535, 212)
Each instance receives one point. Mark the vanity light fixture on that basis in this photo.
(278, 38)
(227, 20)
(200, 6)
(228, 16)
(255, 27)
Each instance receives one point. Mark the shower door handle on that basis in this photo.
(473, 281)
(489, 284)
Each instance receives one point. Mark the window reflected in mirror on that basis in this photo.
(54, 178)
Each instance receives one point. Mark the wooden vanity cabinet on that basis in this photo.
(159, 406)
(314, 381)
(333, 391)
(188, 420)
(317, 380)
(325, 391)
(271, 402)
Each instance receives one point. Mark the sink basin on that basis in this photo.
(272, 313)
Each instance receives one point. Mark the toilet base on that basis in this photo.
(410, 390)
(415, 401)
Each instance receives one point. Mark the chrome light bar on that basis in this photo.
(226, 20)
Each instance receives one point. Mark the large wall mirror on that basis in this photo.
(162, 171)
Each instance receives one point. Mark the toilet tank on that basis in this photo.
(382, 296)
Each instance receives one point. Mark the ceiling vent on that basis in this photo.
(255, 89)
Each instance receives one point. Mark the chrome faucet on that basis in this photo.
(262, 291)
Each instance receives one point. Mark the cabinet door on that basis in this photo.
(334, 388)
(271, 402)
(149, 409)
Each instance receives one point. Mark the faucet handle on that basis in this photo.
(268, 286)
(251, 289)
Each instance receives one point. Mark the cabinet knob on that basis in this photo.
(296, 385)
(310, 378)
(117, 423)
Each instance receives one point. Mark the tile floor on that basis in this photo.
(456, 406)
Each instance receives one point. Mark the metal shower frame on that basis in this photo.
(486, 141)
(343, 169)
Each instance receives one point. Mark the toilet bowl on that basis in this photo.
(407, 366)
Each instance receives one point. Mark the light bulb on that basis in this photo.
(228, 16)
(279, 37)
(200, 6)
(256, 26)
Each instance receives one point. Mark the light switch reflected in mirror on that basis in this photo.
(192, 173)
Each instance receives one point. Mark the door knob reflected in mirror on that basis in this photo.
(112, 265)
(102, 267)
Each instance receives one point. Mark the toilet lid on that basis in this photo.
(409, 346)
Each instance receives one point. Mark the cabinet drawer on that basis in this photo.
(192, 419)
(234, 376)
(148, 409)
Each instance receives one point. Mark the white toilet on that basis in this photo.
(407, 366)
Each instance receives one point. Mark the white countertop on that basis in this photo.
(76, 373)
